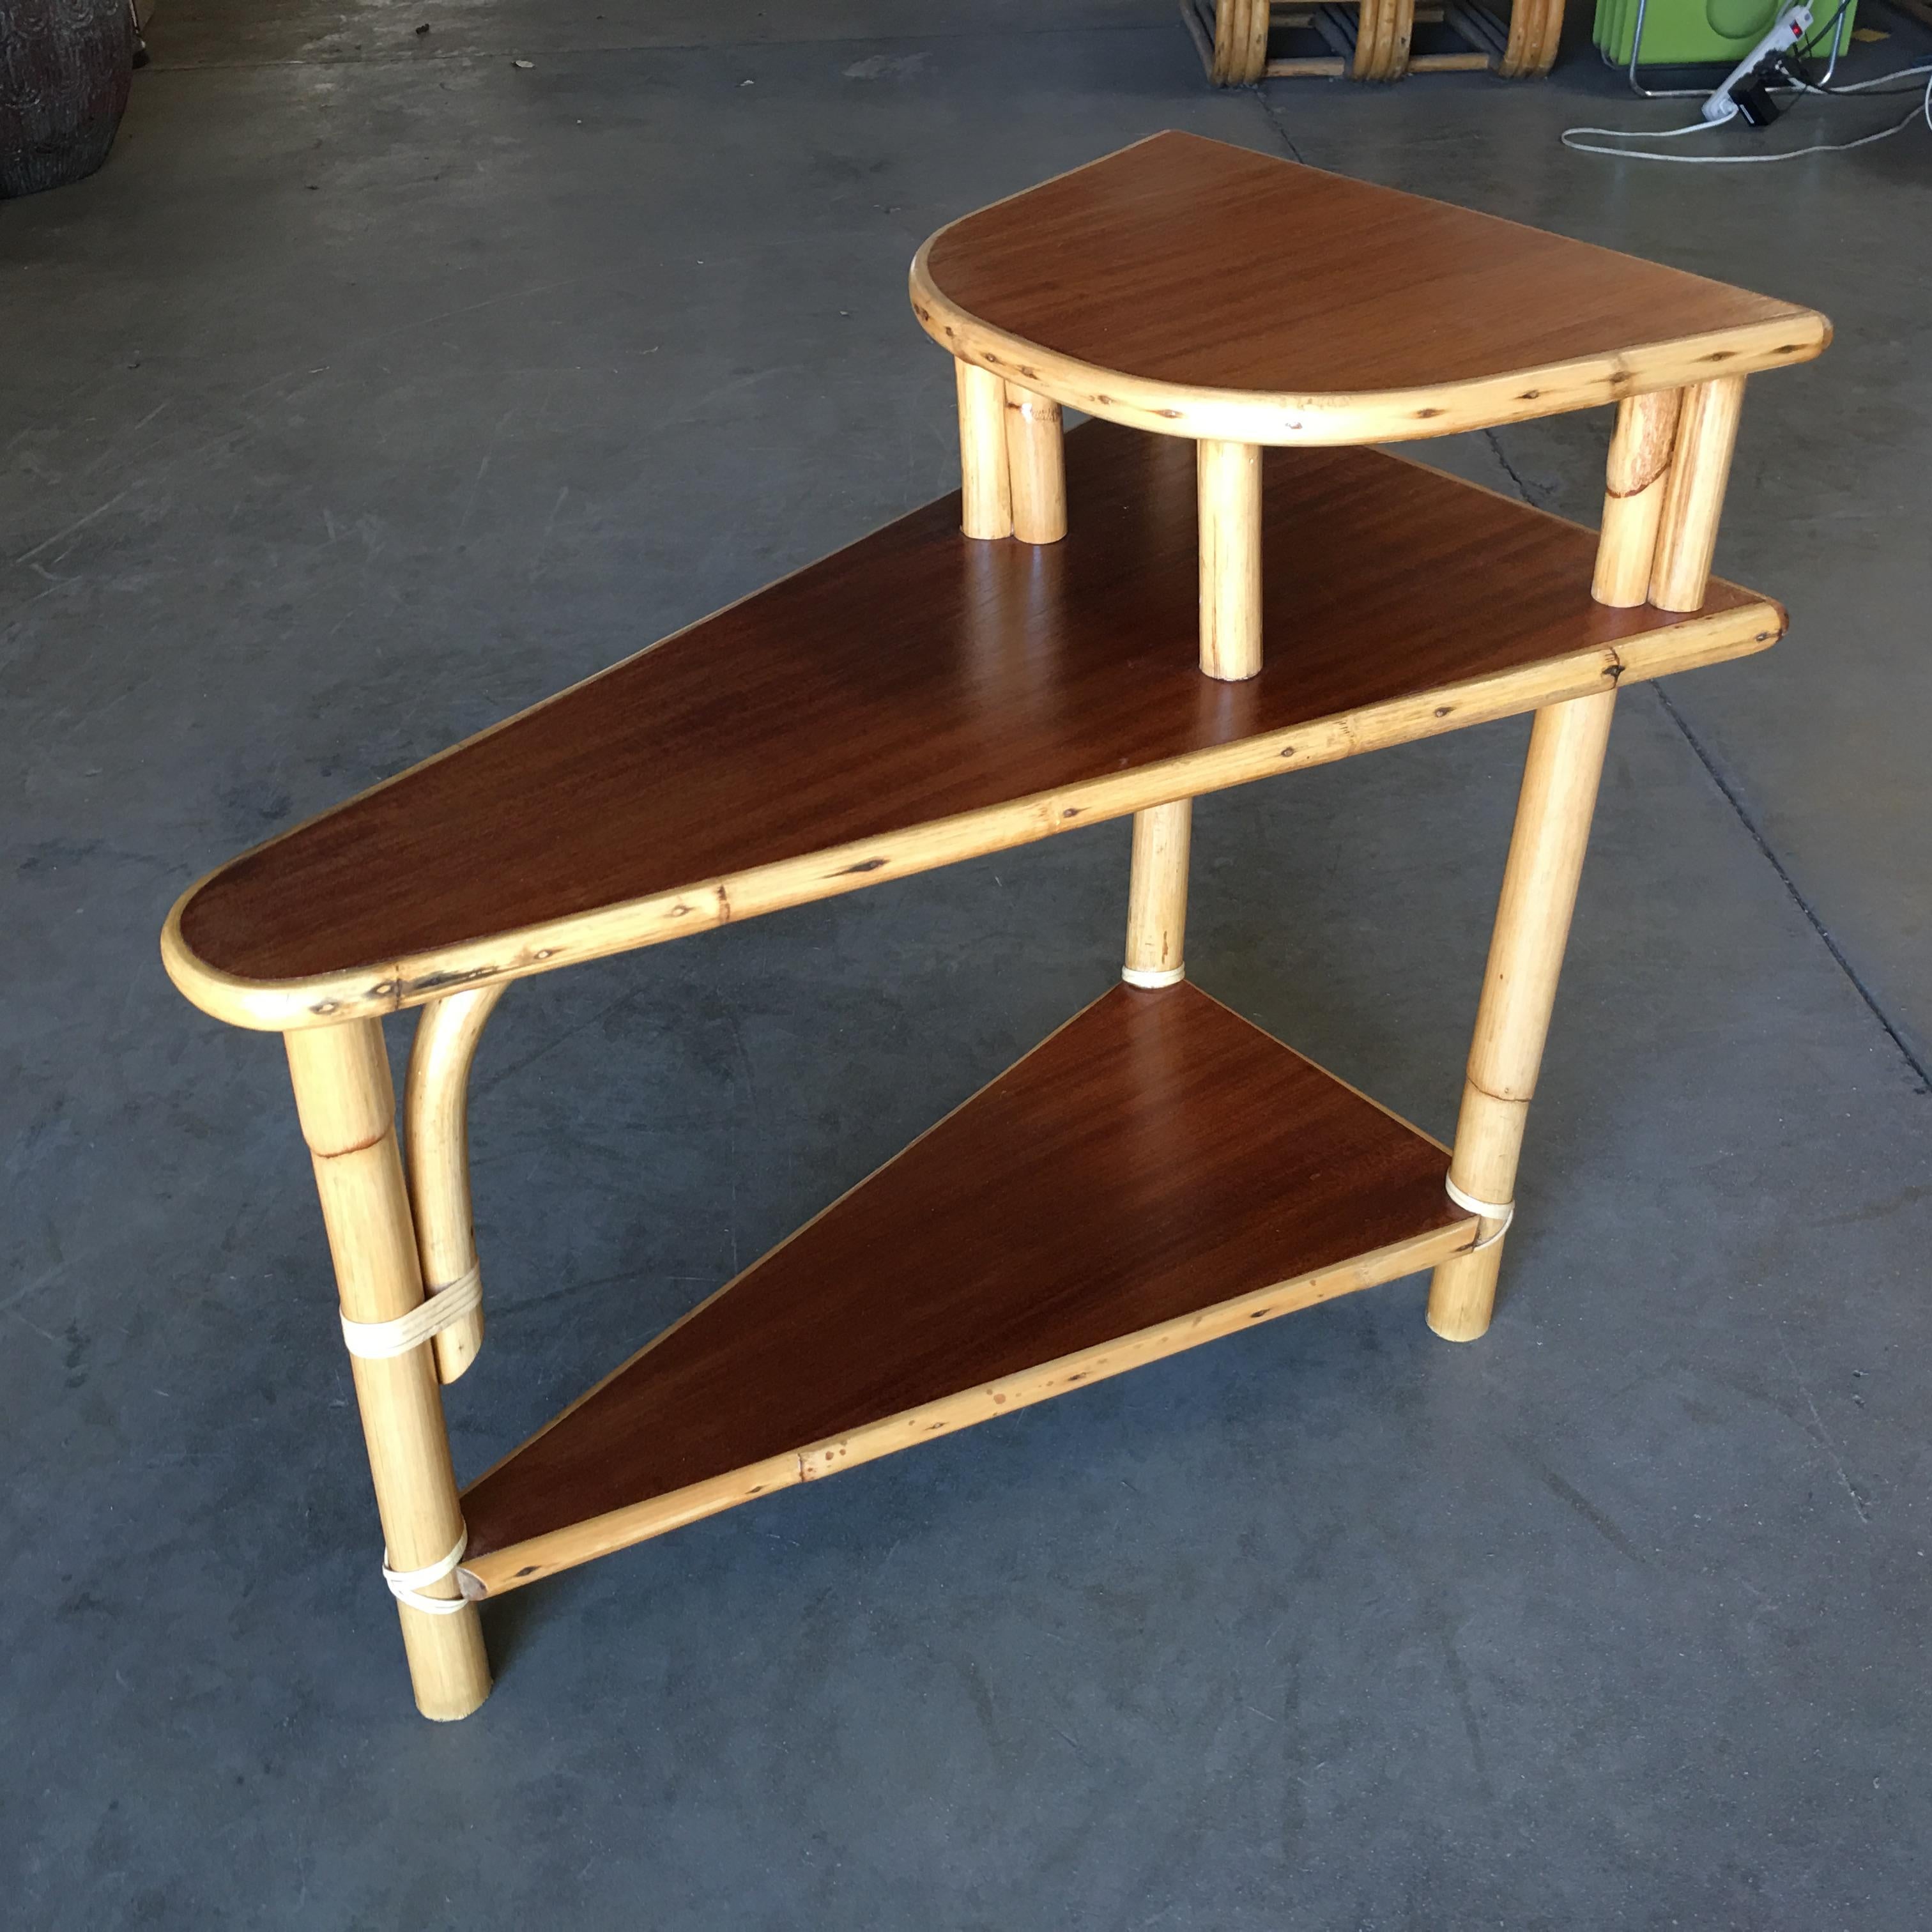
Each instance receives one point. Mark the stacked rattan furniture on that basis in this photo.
(1211, 583)
(1371, 40)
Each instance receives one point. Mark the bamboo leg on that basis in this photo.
(1401, 38)
(1634, 488)
(437, 1113)
(1524, 45)
(1369, 20)
(1229, 480)
(1157, 895)
(1552, 828)
(1544, 56)
(1383, 33)
(1036, 466)
(1707, 428)
(987, 503)
(1241, 42)
(347, 1107)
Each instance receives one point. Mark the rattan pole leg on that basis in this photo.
(1543, 57)
(347, 1108)
(1370, 17)
(1546, 860)
(1157, 895)
(986, 506)
(1637, 479)
(1241, 42)
(1383, 35)
(1523, 48)
(1229, 482)
(1707, 430)
(1401, 40)
(1035, 465)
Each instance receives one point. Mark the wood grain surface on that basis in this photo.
(916, 676)
(1192, 271)
(1156, 1156)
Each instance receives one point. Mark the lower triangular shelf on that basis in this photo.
(1155, 1173)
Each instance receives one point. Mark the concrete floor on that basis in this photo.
(378, 387)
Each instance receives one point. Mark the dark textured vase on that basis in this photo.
(64, 69)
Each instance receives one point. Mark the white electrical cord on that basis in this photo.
(1923, 111)
(1861, 86)
(1641, 134)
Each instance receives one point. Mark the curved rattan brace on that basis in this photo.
(435, 1104)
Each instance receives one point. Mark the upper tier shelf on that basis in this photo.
(916, 699)
(1200, 290)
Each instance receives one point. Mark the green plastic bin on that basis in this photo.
(1678, 33)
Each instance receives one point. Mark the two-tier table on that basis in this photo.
(1207, 586)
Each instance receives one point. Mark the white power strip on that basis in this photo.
(1790, 29)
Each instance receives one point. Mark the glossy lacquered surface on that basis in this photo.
(1155, 1157)
(917, 676)
(1193, 266)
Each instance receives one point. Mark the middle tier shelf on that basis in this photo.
(1156, 1174)
(921, 698)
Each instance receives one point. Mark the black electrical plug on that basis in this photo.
(1752, 96)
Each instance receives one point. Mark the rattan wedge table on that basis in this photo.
(1206, 586)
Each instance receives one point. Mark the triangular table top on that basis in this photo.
(915, 699)
(1201, 290)
(1157, 1173)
